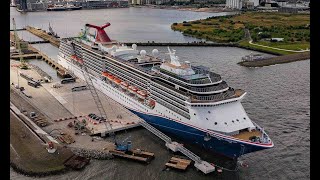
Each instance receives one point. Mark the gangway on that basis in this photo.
(203, 166)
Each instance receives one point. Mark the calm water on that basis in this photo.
(127, 24)
(278, 99)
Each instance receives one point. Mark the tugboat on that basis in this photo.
(52, 33)
(254, 57)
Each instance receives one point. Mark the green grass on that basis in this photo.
(294, 28)
(283, 45)
(246, 44)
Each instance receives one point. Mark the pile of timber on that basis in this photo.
(39, 121)
(136, 155)
(178, 163)
(66, 138)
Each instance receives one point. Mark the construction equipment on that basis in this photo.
(23, 64)
(124, 145)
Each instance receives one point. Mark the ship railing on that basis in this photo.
(156, 131)
(160, 101)
(130, 64)
(264, 138)
(209, 77)
(229, 94)
(190, 154)
(181, 106)
(218, 87)
(181, 94)
(165, 92)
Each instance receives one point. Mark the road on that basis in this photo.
(248, 35)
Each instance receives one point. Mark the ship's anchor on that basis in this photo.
(207, 137)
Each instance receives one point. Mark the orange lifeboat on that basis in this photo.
(75, 58)
(124, 85)
(105, 74)
(142, 94)
(116, 80)
(110, 77)
(133, 89)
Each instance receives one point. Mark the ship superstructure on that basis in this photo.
(187, 101)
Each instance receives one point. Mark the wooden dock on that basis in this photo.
(42, 34)
(136, 155)
(178, 163)
(26, 56)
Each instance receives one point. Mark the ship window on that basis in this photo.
(233, 121)
(215, 123)
(207, 119)
(238, 120)
(225, 123)
(209, 112)
(244, 118)
(194, 113)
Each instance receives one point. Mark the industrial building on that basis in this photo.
(234, 4)
(239, 4)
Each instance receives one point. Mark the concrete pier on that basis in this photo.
(42, 34)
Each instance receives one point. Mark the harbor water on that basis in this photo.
(278, 98)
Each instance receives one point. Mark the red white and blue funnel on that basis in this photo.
(101, 35)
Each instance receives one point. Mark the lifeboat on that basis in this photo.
(117, 80)
(75, 58)
(133, 89)
(151, 103)
(110, 77)
(105, 74)
(124, 85)
(142, 94)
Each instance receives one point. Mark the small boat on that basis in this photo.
(76, 58)
(117, 80)
(133, 89)
(124, 85)
(151, 103)
(105, 74)
(110, 77)
(142, 94)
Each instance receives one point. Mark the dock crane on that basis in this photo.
(23, 64)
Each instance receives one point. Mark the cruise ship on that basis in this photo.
(186, 101)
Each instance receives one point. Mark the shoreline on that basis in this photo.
(192, 9)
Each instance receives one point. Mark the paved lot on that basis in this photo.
(56, 103)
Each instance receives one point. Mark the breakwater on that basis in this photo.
(276, 60)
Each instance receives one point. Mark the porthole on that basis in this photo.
(225, 123)
(238, 120)
(194, 113)
(233, 121)
(209, 112)
(215, 123)
(207, 119)
(244, 118)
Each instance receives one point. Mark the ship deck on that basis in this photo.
(245, 135)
